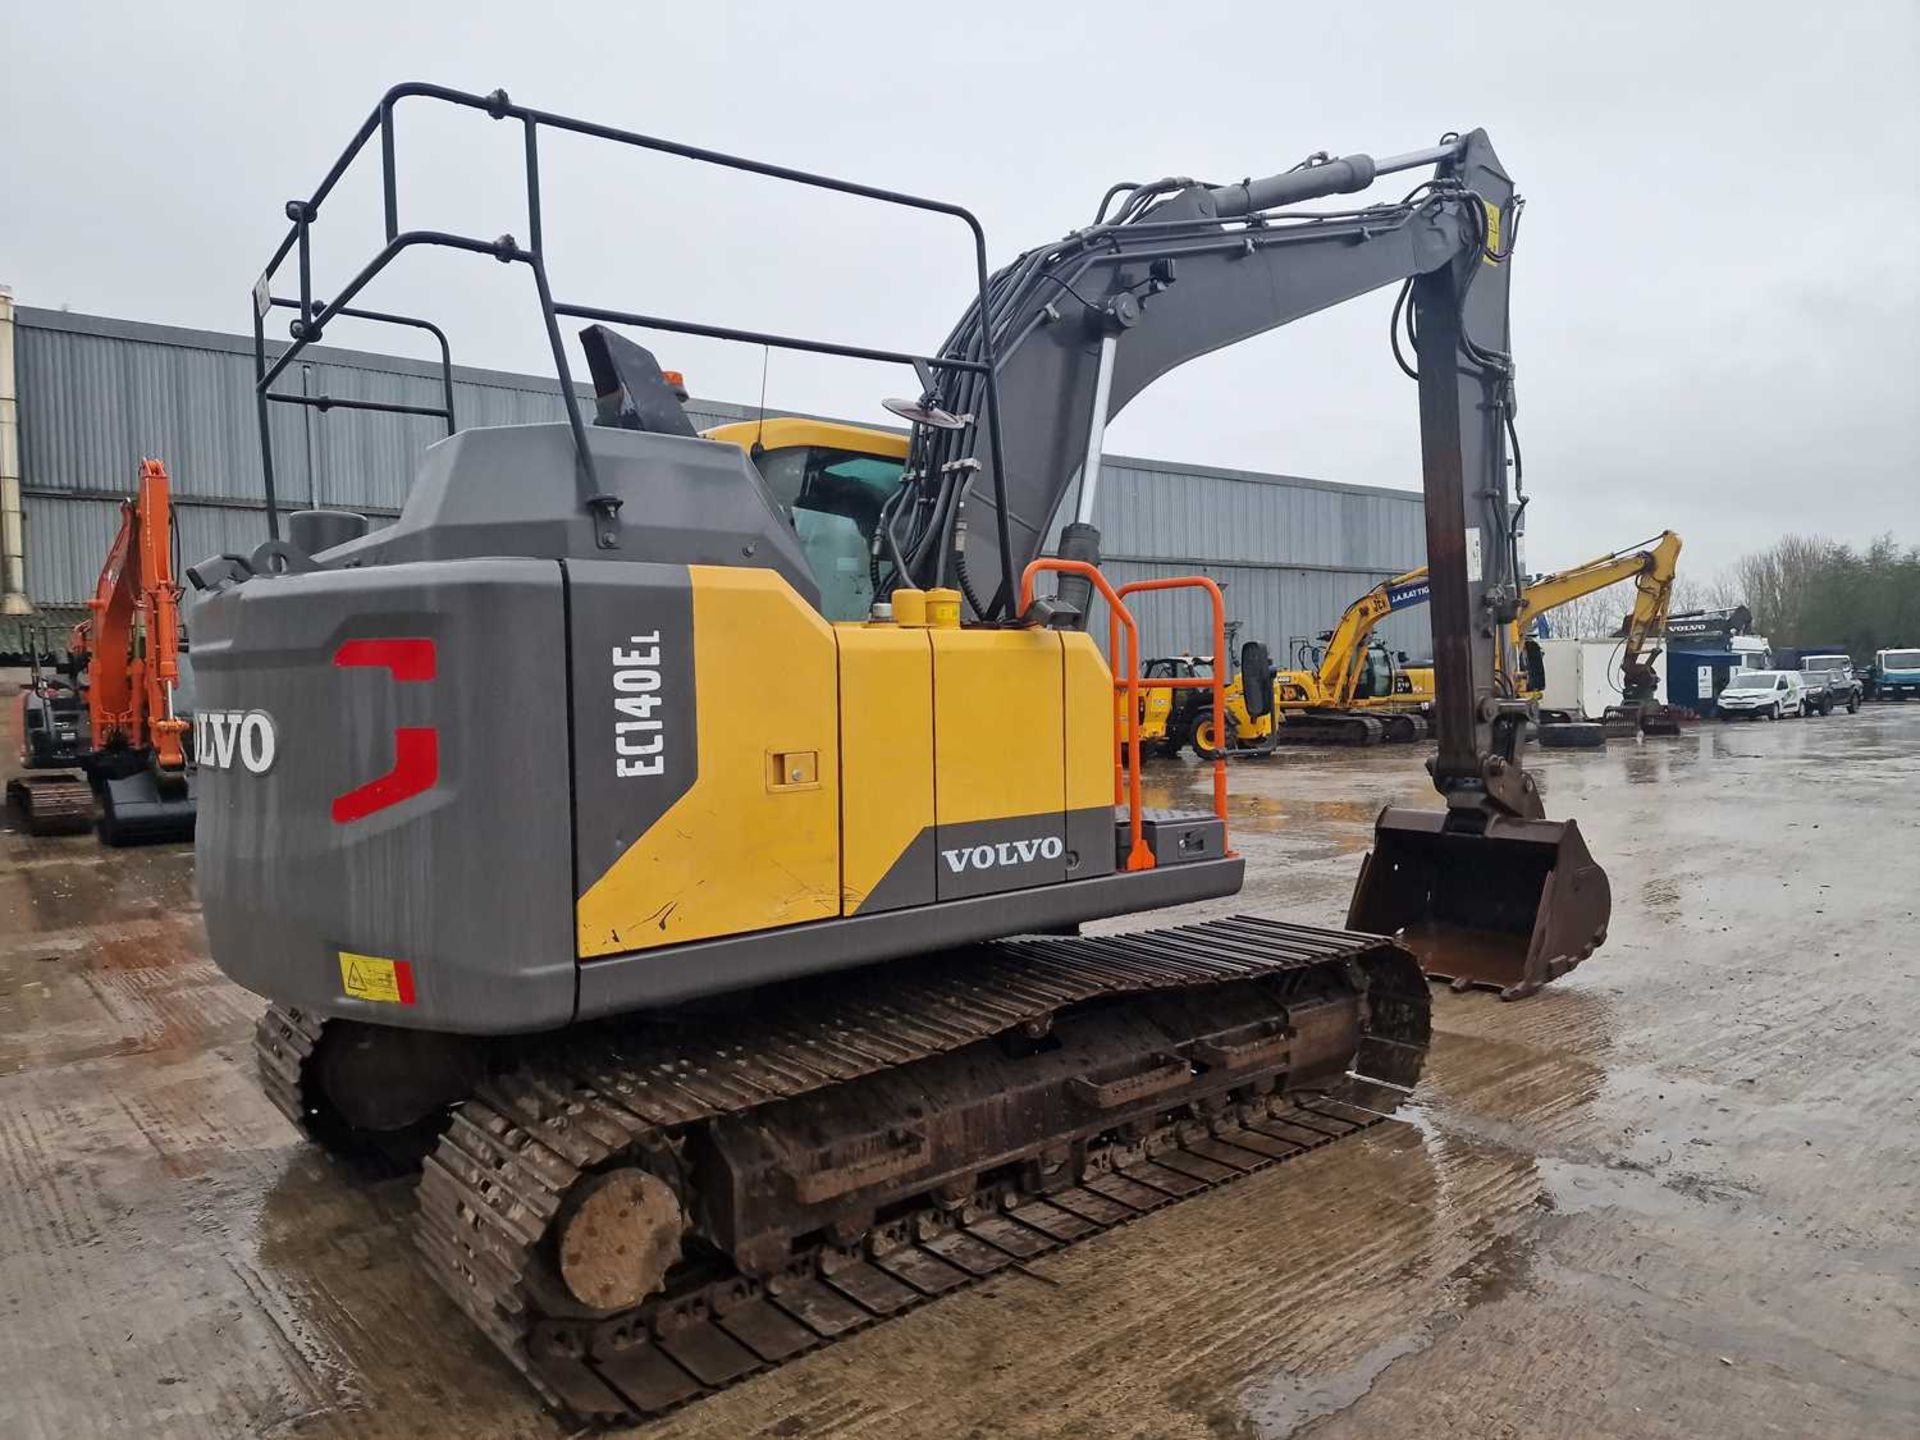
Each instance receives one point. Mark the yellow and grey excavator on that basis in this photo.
(728, 1028)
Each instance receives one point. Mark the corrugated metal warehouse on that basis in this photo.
(94, 395)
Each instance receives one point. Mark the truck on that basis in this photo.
(1830, 681)
(1895, 674)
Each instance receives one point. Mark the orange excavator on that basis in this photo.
(126, 662)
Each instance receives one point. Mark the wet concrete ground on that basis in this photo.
(1675, 1194)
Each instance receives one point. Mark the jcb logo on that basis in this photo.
(222, 736)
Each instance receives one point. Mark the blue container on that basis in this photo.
(1695, 677)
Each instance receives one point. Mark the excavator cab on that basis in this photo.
(1375, 681)
(830, 481)
(1487, 902)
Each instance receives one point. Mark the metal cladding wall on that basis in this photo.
(1289, 553)
(96, 394)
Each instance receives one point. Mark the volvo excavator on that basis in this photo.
(728, 1029)
(116, 708)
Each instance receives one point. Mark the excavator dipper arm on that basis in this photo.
(1647, 623)
(1488, 893)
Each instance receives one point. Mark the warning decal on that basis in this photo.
(368, 977)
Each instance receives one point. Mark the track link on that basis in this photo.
(498, 1186)
(1329, 727)
(51, 804)
(283, 1043)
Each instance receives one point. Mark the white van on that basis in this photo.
(1759, 694)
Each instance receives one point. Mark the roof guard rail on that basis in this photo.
(314, 315)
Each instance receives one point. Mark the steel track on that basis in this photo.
(51, 804)
(492, 1192)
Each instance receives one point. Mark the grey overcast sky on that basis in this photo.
(1715, 293)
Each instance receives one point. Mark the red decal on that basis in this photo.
(416, 766)
(405, 659)
(403, 980)
(416, 749)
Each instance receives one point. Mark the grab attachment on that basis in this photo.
(1489, 901)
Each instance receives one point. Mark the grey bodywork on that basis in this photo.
(1195, 269)
(472, 882)
(524, 581)
(509, 490)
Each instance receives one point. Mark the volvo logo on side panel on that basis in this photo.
(1007, 852)
(224, 739)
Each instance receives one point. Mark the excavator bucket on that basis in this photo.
(1660, 720)
(145, 809)
(1506, 907)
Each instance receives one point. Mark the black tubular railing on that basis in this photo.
(314, 315)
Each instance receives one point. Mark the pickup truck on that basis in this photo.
(1830, 683)
(1895, 674)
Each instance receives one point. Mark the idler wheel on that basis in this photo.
(621, 1238)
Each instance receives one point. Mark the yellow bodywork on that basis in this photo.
(1088, 686)
(785, 432)
(886, 695)
(737, 851)
(876, 753)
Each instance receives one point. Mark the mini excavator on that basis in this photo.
(114, 709)
(727, 1028)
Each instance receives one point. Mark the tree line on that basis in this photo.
(1807, 590)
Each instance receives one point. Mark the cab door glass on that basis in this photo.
(833, 498)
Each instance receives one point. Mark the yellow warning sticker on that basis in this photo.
(1493, 232)
(368, 977)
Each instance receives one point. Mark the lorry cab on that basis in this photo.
(1896, 674)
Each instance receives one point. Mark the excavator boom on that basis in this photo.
(1489, 891)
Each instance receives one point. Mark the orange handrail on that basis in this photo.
(1217, 684)
(1126, 773)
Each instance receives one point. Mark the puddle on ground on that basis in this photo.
(83, 883)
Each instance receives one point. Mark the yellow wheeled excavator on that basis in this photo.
(728, 1028)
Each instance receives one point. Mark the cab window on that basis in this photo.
(833, 498)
